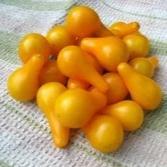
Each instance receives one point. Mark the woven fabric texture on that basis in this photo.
(25, 139)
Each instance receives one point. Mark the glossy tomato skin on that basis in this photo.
(117, 90)
(58, 37)
(122, 29)
(128, 112)
(75, 107)
(104, 133)
(31, 44)
(46, 96)
(145, 91)
(82, 21)
(51, 73)
(109, 51)
(73, 63)
(137, 44)
(72, 83)
(143, 65)
(23, 83)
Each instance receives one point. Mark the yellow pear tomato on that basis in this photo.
(104, 133)
(47, 95)
(128, 112)
(58, 37)
(31, 44)
(121, 29)
(138, 45)
(75, 107)
(82, 21)
(145, 66)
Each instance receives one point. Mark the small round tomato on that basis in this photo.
(51, 73)
(138, 45)
(104, 133)
(128, 112)
(58, 37)
(144, 66)
(82, 21)
(117, 90)
(31, 44)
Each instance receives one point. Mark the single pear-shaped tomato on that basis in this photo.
(104, 133)
(31, 44)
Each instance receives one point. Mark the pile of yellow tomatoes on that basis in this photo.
(88, 76)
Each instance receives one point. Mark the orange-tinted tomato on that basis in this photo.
(138, 45)
(75, 107)
(51, 73)
(82, 21)
(117, 90)
(31, 44)
(72, 83)
(58, 37)
(104, 133)
(23, 83)
(128, 112)
(93, 61)
(121, 29)
(145, 66)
